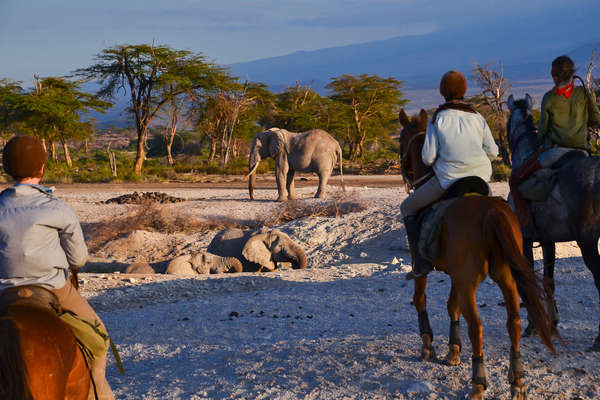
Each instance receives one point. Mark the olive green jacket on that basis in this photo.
(564, 122)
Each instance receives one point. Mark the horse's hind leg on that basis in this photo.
(505, 280)
(589, 251)
(420, 302)
(454, 343)
(549, 252)
(468, 307)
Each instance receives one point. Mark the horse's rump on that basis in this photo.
(52, 367)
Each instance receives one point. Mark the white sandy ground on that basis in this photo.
(343, 328)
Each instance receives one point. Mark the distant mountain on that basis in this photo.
(525, 46)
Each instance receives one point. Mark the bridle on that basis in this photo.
(409, 182)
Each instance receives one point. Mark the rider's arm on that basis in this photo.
(544, 121)
(72, 240)
(430, 147)
(489, 144)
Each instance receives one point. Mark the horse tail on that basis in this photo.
(13, 372)
(505, 227)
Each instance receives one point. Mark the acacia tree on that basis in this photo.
(10, 94)
(153, 76)
(299, 108)
(220, 113)
(53, 111)
(494, 88)
(371, 102)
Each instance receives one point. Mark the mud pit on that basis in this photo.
(342, 329)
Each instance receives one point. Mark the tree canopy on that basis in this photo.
(370, 107)
(152, 76)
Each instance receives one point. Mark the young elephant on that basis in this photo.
(258, 250)
(202, 263)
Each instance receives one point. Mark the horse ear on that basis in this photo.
(511, 102)
(424, 116)
(529, 101)
(403, 117)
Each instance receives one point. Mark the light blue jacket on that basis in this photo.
(459, 144)
(40, 237)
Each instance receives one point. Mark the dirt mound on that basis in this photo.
(144, 197)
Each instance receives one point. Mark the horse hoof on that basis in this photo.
(453, 356)
(428, 353)
(477, 392)
(518, 392)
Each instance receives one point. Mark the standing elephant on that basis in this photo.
(258, 249)
(311, 151)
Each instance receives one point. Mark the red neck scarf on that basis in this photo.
(566, 91)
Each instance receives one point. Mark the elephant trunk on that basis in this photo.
(231, 264)
(299, 257)
(252, 166)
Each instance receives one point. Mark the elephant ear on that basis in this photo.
(276, 142)
(257, 250)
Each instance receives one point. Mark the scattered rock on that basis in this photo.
(143, 197)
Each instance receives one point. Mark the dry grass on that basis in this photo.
(339, 203)
(155, 217)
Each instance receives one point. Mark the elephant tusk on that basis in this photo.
(253, 170)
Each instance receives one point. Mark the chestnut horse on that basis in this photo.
(39, 356)
(480, 235)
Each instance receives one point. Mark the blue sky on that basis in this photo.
(54, 37)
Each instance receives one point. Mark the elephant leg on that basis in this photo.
(323, 178)
(291, 188)
(281, 171)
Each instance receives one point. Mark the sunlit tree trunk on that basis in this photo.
(67, 153)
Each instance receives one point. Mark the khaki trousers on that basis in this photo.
(426, 194)
(71, 300)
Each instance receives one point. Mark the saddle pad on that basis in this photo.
(431, 226)
(92, 337)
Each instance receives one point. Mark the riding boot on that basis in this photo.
(420, 266)
(522, 205)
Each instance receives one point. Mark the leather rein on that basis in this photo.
(411, 184)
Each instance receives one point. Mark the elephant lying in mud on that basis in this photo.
(258, 250)
(203, 263)
(312, 151)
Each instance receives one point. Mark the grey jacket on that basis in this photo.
(40, 237)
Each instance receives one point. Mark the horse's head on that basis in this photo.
(521, 130)
(411, 143)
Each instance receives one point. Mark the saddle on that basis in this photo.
(540, 184)
(30, 296)
(431, 217)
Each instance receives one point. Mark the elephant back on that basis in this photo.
(229, 243)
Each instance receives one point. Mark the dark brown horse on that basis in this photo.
(480, 235)
(39, 356)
